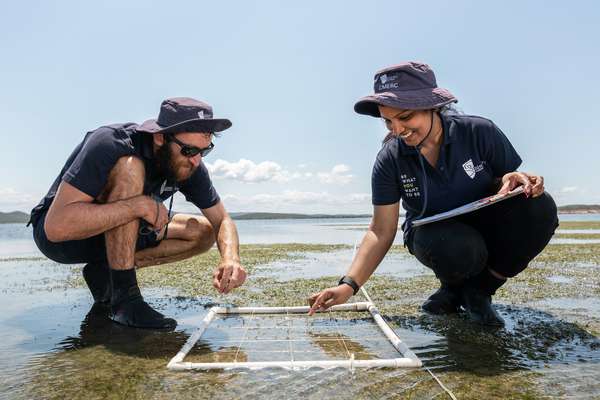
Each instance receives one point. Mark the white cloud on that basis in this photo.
(14, 200)
(575, 195)
(248, 171)
(290, 201)
(569, 189)
(338, 174)
(298, 201)
(297, 197)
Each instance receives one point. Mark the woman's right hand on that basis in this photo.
(533, 185)
(329, 297)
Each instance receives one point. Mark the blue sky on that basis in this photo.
(287, 74)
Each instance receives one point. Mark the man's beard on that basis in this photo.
(164, 163)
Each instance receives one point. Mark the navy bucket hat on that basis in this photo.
(184, 114)
(408, 86)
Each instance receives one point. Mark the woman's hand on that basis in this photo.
(329, 297)
(533, 185)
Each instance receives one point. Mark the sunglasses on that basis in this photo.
(191, 151)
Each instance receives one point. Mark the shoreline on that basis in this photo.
(303, 217)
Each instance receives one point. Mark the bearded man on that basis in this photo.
(105, 209)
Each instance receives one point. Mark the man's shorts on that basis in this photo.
(88, 250)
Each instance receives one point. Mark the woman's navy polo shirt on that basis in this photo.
(473, 154)
(90, 163)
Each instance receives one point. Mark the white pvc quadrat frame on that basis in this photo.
(408, 359)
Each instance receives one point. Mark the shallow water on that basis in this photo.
(55, 345)
(575, 231)
(315, 265)
(572, 304)
(15, 239)
(560, 279)
(53, 339)
(574, 241)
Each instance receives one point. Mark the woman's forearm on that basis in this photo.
(373, 248)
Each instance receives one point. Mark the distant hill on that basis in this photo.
(21, 217)
(14, 217)
(580, 209)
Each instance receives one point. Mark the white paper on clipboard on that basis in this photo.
(467, 208)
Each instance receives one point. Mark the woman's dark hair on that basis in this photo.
(448, 109)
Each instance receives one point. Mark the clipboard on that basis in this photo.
(467, 208)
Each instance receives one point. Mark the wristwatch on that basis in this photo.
(346, 280)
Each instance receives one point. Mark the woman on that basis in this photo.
(436, 160)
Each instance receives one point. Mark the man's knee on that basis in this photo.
(200, 232)
(126, 179)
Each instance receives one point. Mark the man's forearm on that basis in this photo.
(228, 241)
(82, 220)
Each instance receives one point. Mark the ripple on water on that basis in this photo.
(560, 279)
(55, 346)
(336, 263)
(589, 305)
(531, 341)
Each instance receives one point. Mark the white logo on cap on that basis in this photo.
(420, 67)
(201, 114)
(387, 82)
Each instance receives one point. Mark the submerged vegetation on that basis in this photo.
(525, 360)
(579, 225)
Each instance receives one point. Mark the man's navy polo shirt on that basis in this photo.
(89, 166)
(474, 152)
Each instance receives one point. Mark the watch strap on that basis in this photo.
(346, 280)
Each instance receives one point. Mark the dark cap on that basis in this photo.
(408, 86)
(184, 114)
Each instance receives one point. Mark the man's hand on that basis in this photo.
(329, 297)
(154, 212)
(228, 275)
(533, 185)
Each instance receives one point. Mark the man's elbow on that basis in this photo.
(55, 232)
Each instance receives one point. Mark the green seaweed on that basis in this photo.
(579, 225)
(117, 371)
(587, 236)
